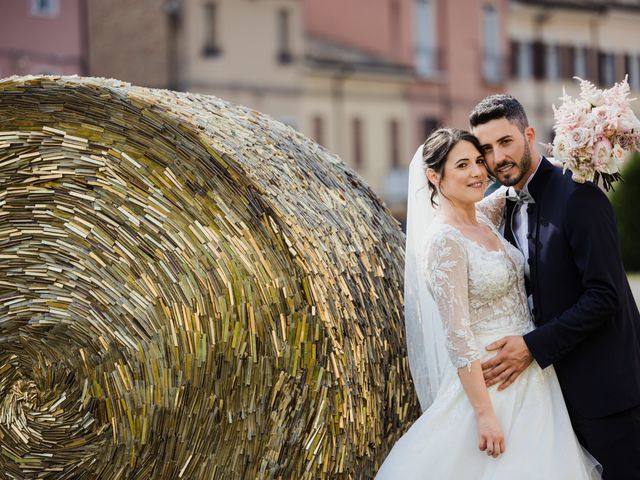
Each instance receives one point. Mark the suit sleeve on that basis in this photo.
(591, 232)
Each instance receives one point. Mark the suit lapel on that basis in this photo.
(536, 189)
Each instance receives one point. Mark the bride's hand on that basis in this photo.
(490, 436)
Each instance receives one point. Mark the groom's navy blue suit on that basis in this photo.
(587, 321)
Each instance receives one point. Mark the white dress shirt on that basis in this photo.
(520, 229)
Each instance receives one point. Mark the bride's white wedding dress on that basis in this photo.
(480, 297)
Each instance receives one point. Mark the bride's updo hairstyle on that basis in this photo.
(436, 149)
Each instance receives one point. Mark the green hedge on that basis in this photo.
(626, 200)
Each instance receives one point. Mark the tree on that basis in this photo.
(626, 201)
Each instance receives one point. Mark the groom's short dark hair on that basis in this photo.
(494, 107)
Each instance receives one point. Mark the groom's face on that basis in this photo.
(506, 150)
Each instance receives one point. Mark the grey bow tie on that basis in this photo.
(519, 196)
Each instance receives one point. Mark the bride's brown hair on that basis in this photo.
(436, 149)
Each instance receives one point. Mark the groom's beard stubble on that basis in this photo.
(522, 168)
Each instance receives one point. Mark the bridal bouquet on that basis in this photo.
(595, 132)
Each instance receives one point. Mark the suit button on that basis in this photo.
(528, 236)
(530, 261)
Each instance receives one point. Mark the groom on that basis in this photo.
(588, 326)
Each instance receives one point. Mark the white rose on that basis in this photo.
(594, 97)
(618, 152)
(627, 122)
(602, 157)
(583, 172)
(561, 147)
(614, 163)
(579, 176)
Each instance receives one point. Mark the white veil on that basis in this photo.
(428, 357)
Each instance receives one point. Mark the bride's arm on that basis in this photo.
(490, 436)
(445, 268)
(492, 206)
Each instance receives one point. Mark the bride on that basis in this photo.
(464, 289)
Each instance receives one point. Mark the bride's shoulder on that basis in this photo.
(441, 234)
(444, 248)
(496, 197)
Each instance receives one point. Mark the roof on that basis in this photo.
(333, 55)
(596, 5)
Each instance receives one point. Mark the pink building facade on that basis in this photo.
(381, 27)
(43, 37)
(458, 49)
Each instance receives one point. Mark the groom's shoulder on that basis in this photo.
(585, 198)
(561, 182)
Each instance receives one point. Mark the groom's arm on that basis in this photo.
(592, 235)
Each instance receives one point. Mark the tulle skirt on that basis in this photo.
(540, 443)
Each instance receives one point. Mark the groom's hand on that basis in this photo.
(514, 357)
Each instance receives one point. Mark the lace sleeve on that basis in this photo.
(445, 267)
(492, 207)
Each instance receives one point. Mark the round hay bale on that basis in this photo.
(189, 289)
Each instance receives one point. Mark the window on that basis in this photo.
(593, 64)
(514, 49)
(429, 125)
(633, 70)
(524, 60)
(606, 69)
(619, 64)
(580, 62)
(491, 64)
(211, 47)
(552, 62)
(396, 27)
(567, 60)
(358, 159)
(539, 63)
(318, 129)
(394, 143)
(45, 8)
(425, 48)
(284, 47)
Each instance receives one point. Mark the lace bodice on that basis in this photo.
(477, 291)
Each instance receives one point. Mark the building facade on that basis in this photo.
(132, 41)
(43, 37)
(297, 60)
(551, 42)
(432, 60)
(368, 79)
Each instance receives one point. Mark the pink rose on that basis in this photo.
(579, 137)
(602, 156)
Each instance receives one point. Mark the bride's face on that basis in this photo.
(464, 177)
